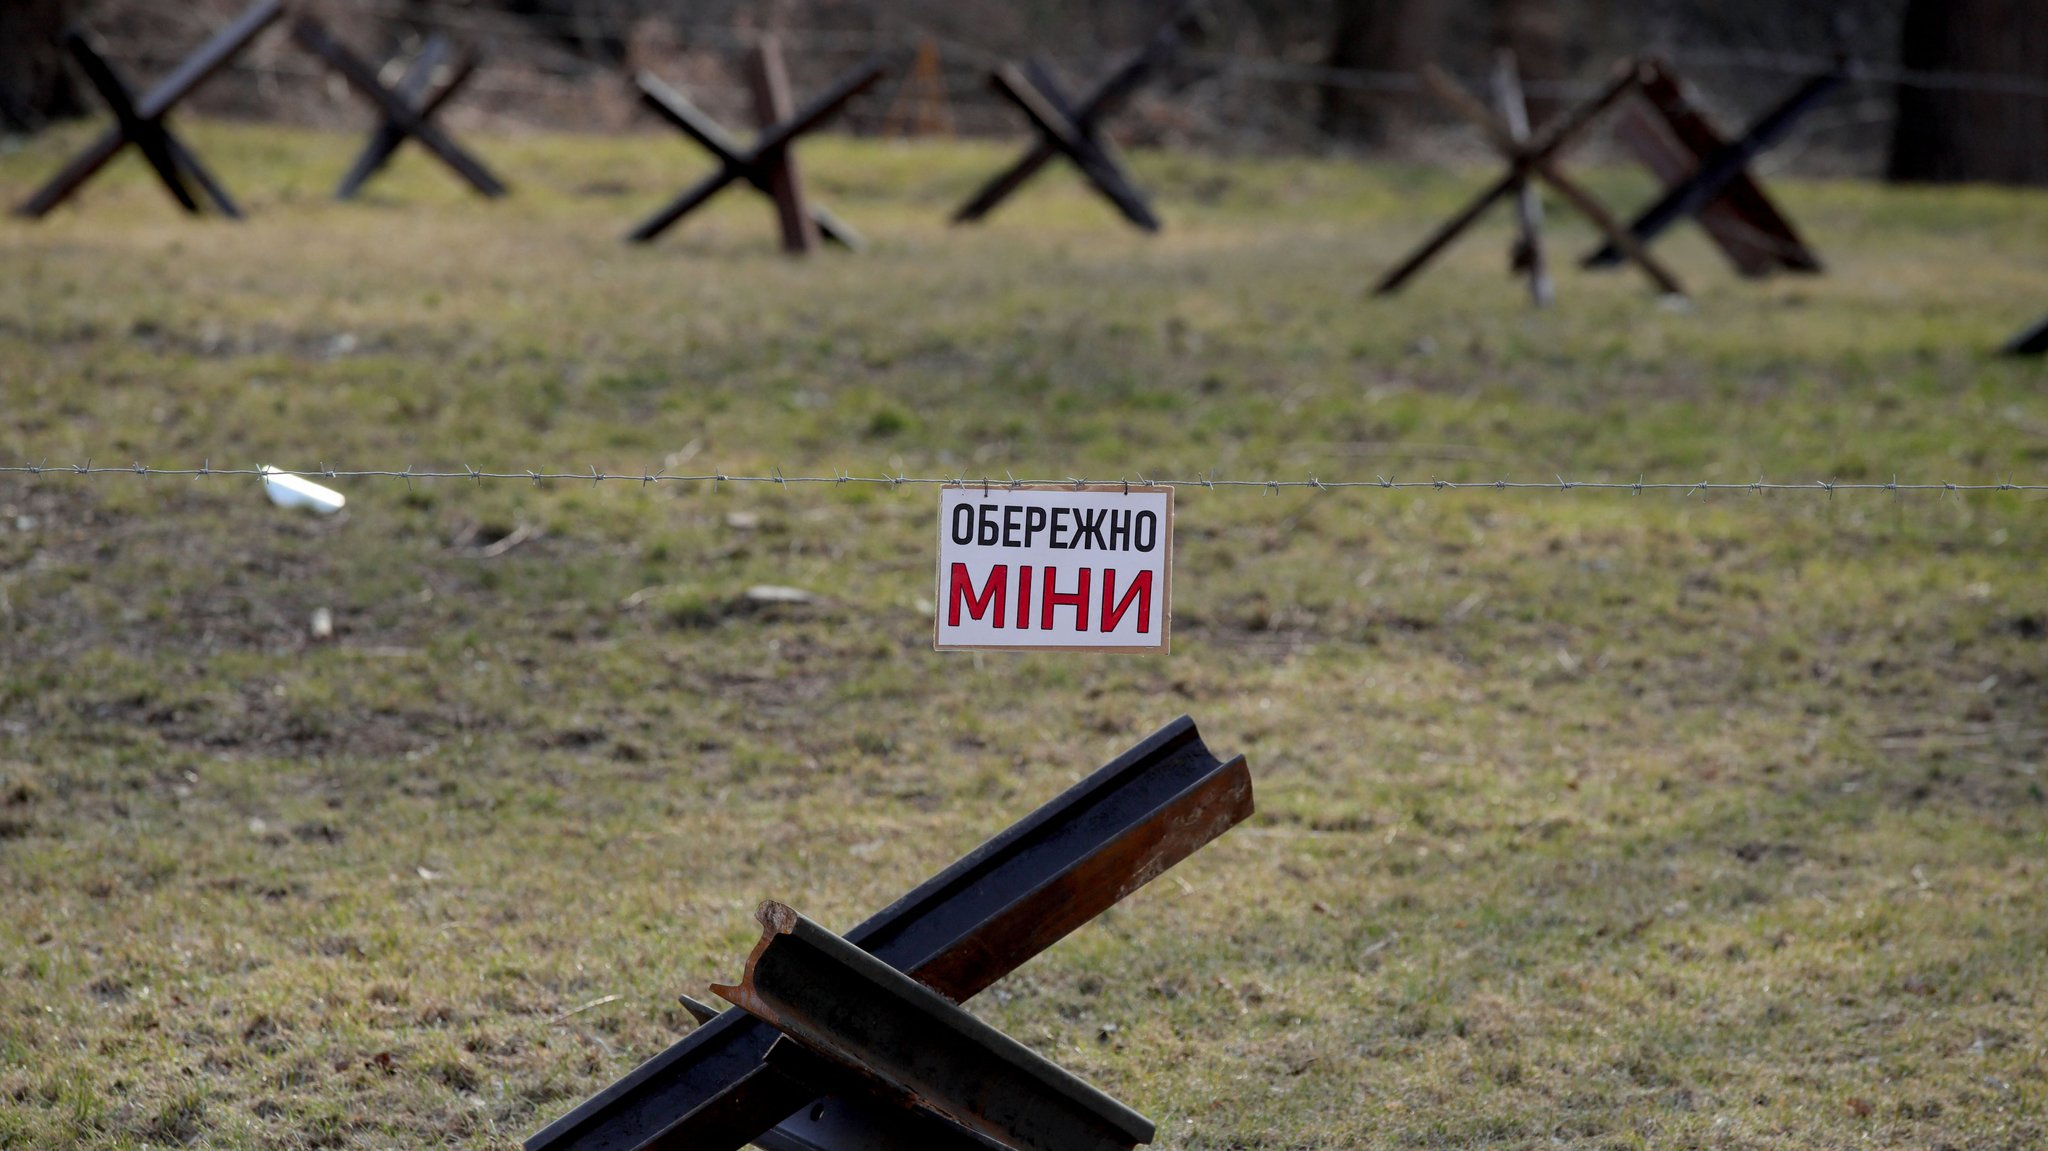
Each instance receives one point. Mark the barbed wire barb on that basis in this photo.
(777, 476)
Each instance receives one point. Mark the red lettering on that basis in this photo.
(990, 599)
(1140, 590)
(1078, 600)
(1024, 598)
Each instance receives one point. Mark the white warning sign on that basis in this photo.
(1063, 568)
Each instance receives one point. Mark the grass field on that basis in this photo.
(1587, 819)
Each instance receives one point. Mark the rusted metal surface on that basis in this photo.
(772, 105)
(1525, 160)
(1653, 146)
(1514, 112)
(1042, 105)
(767, 167)
(2032, 342)
(1670, 136)
(846, 1119)
(957, 932)
(149, 136)
(1084, 116)
(1718, 168)
(139, 120)
(400, 115)
(412, 88)
(416, 90)
(915, 1047)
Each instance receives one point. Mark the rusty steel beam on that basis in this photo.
(150, 108)
(1095, 105)
(687, 118)
(1044, 105)
(1756, 237)
(1717, 169)
(772, 105)
(754, 165)
(916, 1048)
(1653, 144)
(958, 932)
(150, 137)
(398, 112)
(1522, 163)
(1545, 169)
(417, 89)
(1527, 254)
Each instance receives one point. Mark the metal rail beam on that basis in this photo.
(397, 112)
(151, 107)
(1096, 104)
(150, 137)
(958, 932)
(1715, 171)
(1528, 250)
(1545, 168)
(1045, 106)
(915, 1047)
(1522, 163)
(1756, 237)
(416, 89)
(754, 165)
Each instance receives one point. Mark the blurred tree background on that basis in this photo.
(1275, 74)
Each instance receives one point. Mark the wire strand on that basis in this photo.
(776, 477)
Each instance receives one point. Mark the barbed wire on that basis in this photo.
(1209, 481)
(562, 23)
(1215, 85)
(565, 23)
(1802, 64)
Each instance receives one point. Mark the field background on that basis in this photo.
(1592, 820)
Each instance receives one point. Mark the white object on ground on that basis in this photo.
(289, 491)
(770, 593)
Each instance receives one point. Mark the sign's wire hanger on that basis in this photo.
(1208, 480)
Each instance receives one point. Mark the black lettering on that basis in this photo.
(1146, 532)
(1056, 514)
(989, 530)
(1119, 531)
(1091, 527)
(1034, 522)
(963, 523)
(1010, 525)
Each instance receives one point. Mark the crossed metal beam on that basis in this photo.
(140, 120)
(956, 933)
(1537, 158)
(407, 112)
(767, 167)
(1072, 127)
(1527, 255)
(1707, 176)
(851, 1021)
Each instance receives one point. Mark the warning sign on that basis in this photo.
(1076, 569)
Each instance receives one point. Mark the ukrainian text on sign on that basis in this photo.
(1055, 567)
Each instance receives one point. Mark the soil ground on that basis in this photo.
(1586, 819)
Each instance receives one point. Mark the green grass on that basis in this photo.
(1596, 820)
